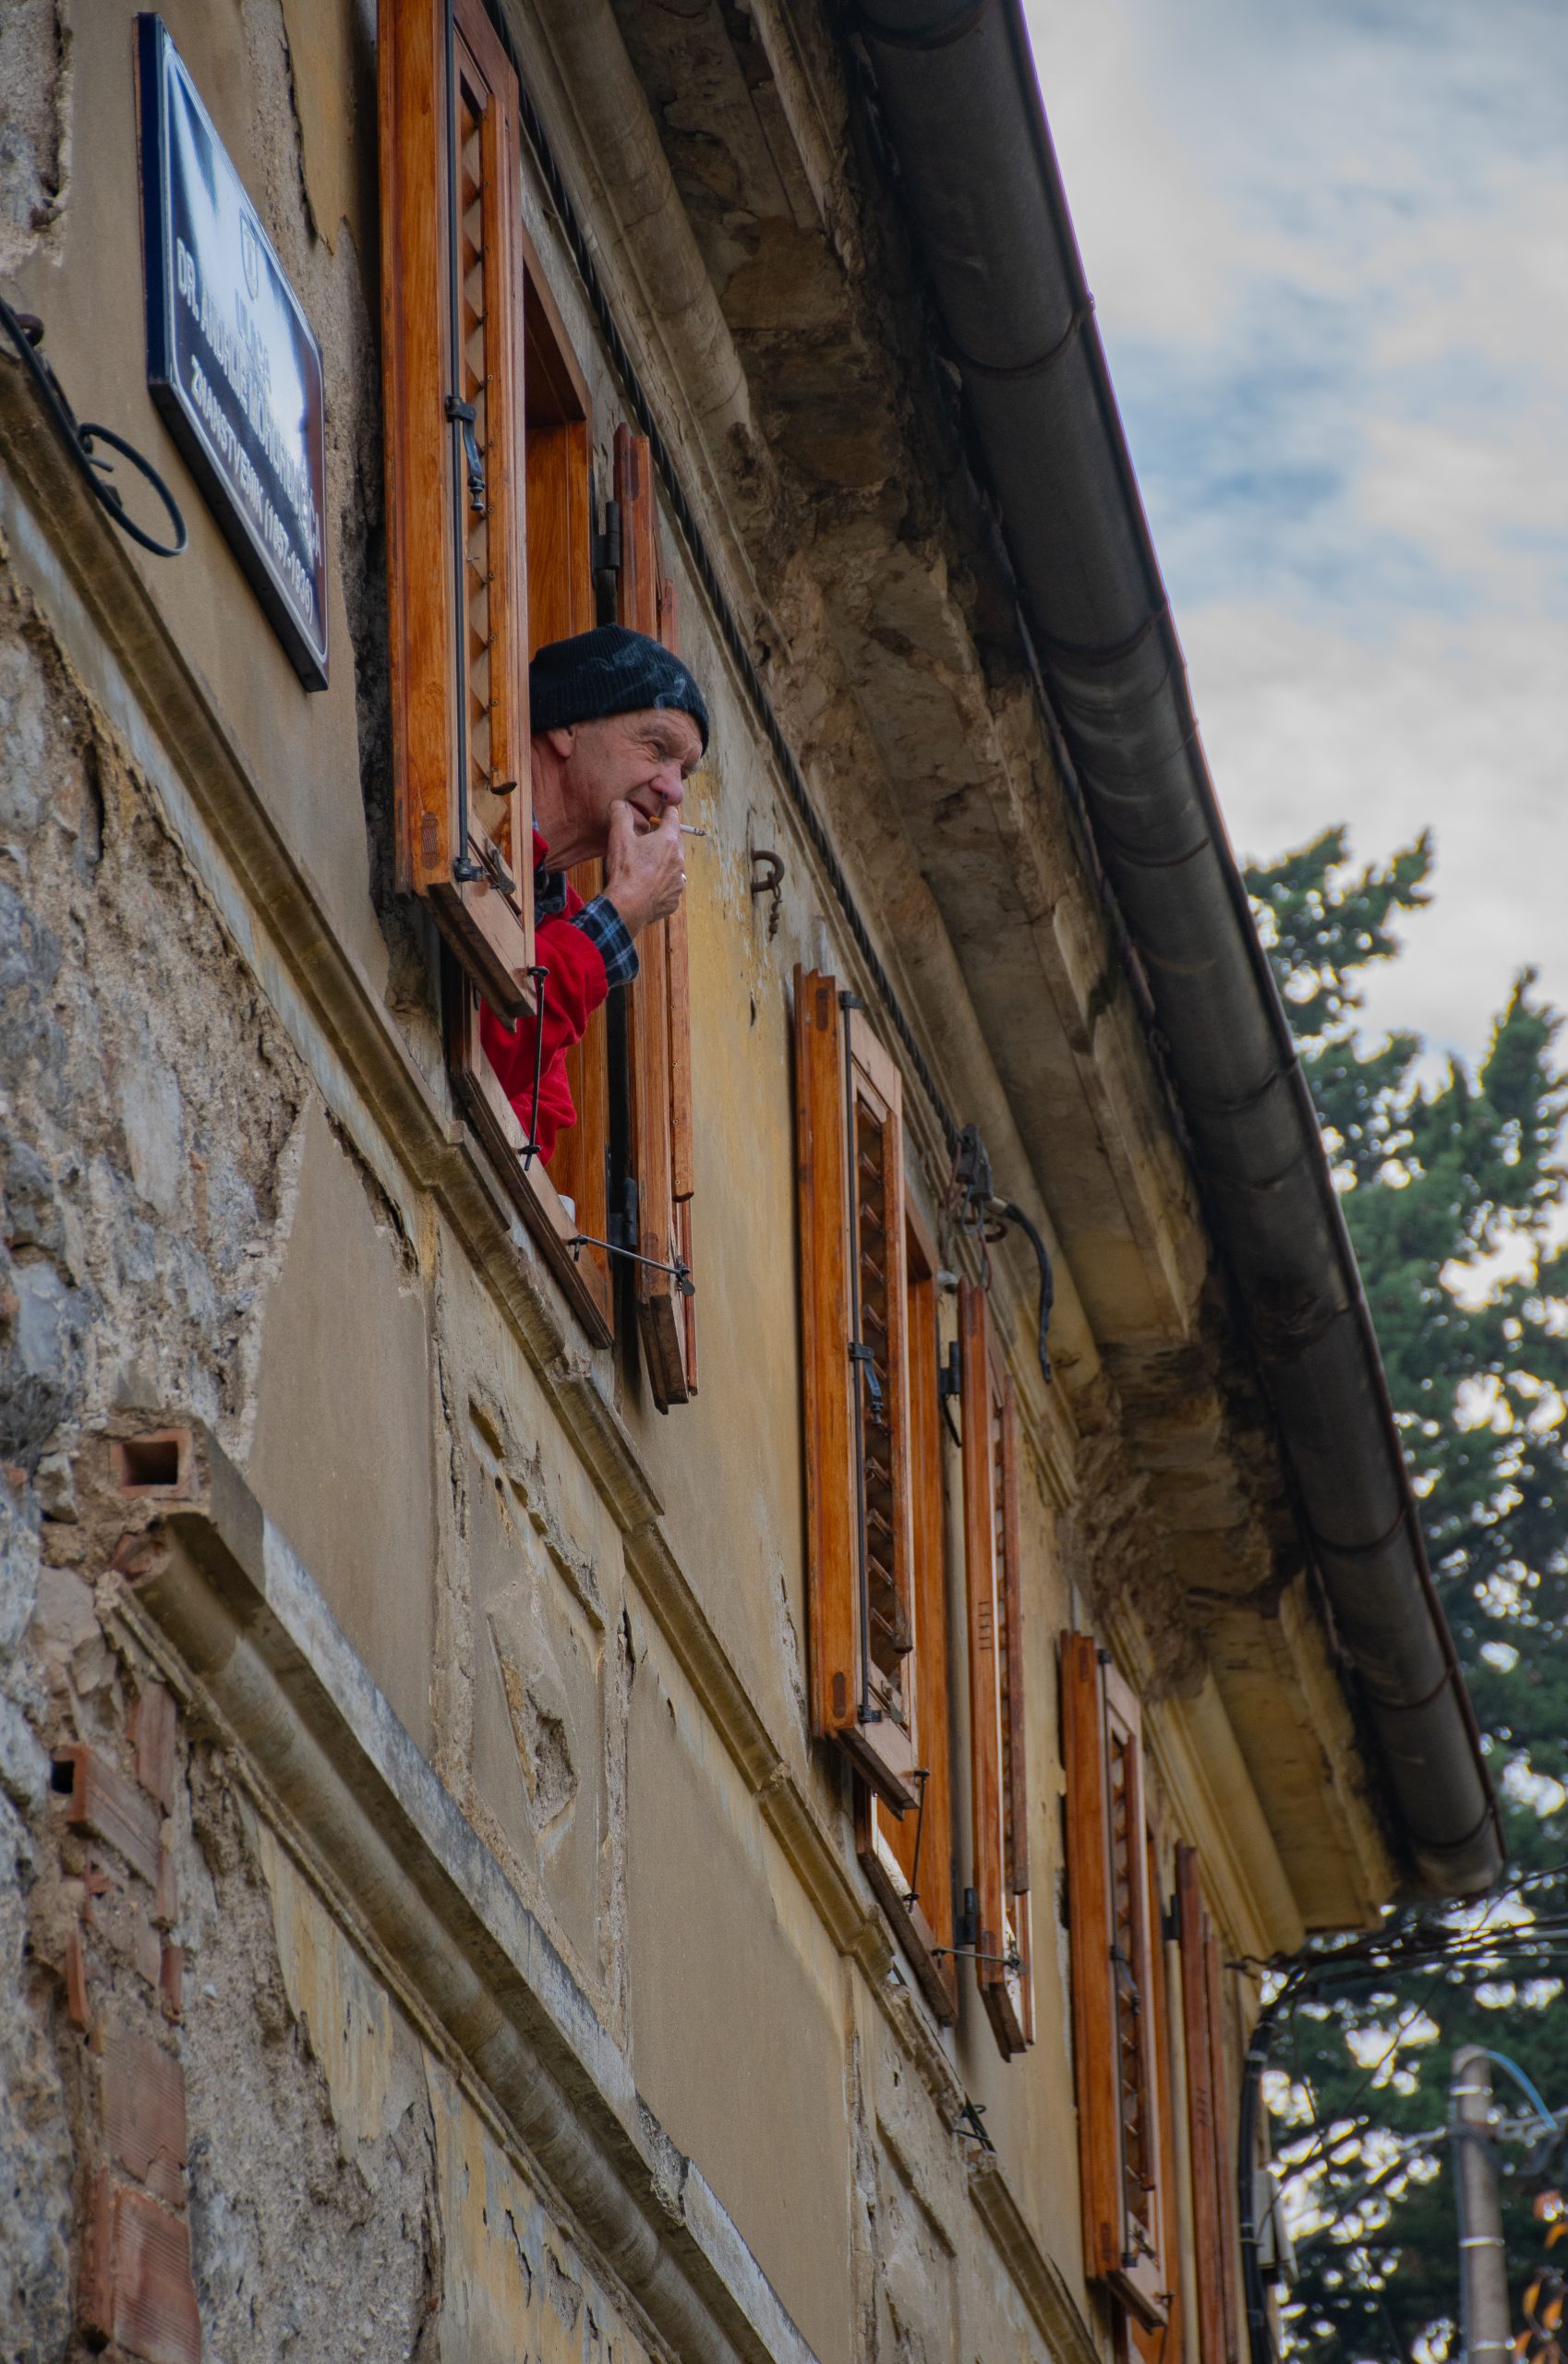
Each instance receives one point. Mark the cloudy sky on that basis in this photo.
(1328, 247)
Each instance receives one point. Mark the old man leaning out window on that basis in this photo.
(618, 724)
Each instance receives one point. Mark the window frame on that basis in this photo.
(558, 460)
(485, 917)
(1215, 2249)
(1159, 2342)
(658, 1004)
(557, 430)
(838, 1061)
(1102, 1721)
(908, 1859)
(998, 1780)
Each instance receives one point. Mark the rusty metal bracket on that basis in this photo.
(769, 882)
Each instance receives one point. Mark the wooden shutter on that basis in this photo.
(999, 1787)
(1115, 2008)
(452, 322)
(849, 1148)
(658, 1047)
(1162, 2344)
(1209, 2118)
(909, 1860)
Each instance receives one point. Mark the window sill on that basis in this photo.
(910, 1926)
(582, 1275)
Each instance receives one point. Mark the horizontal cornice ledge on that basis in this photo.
(236, 1621)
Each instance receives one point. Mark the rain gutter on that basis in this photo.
(957, 91)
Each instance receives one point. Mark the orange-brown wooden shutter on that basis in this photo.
(908, 1859)
(999, 1789)
(1160, 2343)
(1214, 2206)
(849, 1148)
(657, 1012)
(1114, 2006)
(451, 220)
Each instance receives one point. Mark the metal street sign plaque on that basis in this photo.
(231, 358)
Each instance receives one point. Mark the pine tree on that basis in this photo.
(1453, 1192)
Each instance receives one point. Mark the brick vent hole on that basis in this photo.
(149, 1460)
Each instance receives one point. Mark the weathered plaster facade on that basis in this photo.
(483, 1934)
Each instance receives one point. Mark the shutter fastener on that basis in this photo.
(465, 415)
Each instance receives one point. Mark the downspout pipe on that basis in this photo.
(957, 94)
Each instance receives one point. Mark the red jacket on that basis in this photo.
(573, 989)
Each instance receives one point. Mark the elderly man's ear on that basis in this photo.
(561, 742)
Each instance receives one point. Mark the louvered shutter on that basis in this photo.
(452, 296)
(908, 1859)
(1209, 2121)
(850, 1146)
(658, 1053)
(1115, 2006)
(997, 1781)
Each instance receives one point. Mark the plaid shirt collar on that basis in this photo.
(599, 922)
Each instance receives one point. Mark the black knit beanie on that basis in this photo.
(611, 670)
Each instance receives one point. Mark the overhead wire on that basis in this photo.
(1419, 1945)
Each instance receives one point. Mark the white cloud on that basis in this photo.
(1330, 251)
(1461, 725)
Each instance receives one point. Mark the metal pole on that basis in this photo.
(1483, 2277)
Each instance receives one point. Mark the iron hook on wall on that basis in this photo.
(25, 330)
(767, 878)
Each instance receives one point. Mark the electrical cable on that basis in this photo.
(1356, 2248)
(1372, 1960)
(1529, 2090)
(1006, 1210)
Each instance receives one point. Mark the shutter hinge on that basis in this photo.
(605, 562)
(622, 1225)
(950, 1373)
(967, 1923)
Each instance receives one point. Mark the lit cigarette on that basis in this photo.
(687, 831)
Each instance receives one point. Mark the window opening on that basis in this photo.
(909, 1860)
(1114, 1937)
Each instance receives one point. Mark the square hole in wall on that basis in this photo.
(159, 1463)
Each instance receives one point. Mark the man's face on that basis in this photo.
(644, 758)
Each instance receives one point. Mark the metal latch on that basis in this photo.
(867, 1360)
(468, 415)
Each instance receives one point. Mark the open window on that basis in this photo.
(1115, 2004)
(568, 1198)
(558, 438)
(998, 1785)
(658, 1016)
(451, 293)
(1209, 2118)
(855, 1310)
(908, 1859)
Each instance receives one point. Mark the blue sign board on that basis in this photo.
(231, 358)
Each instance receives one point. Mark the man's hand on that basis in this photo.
(644, 866)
